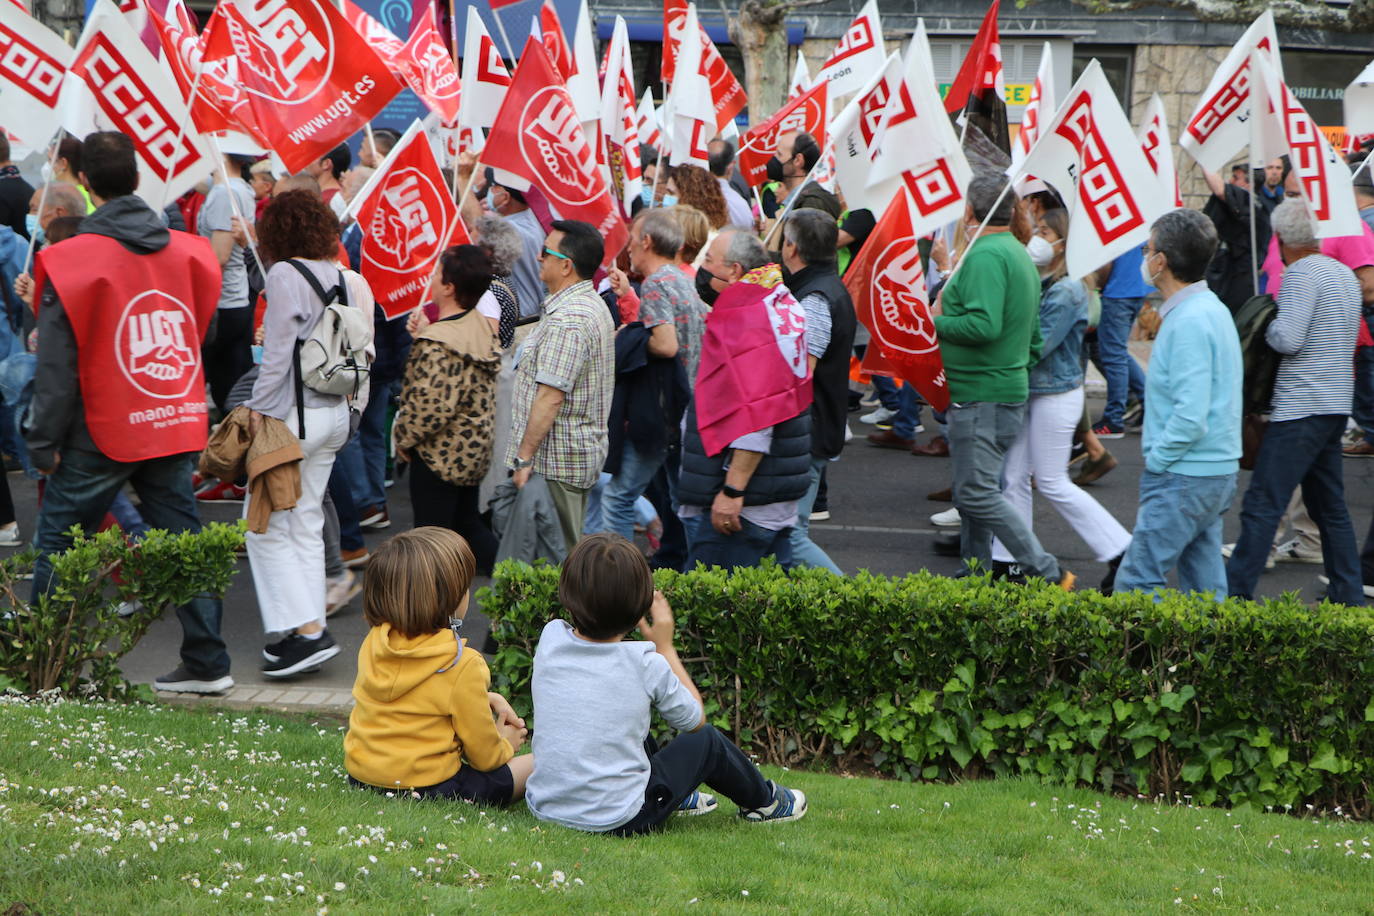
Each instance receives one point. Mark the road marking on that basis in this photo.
(875, 529)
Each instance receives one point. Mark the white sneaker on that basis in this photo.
(946, 519)
(1228, 549)
(9, 536)
(1293, 552)
(1368, 589)
(338, 592)
(881, 415)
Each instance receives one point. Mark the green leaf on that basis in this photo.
(1262, 737)
(1170, 700)
(1142, 747)
(1221, 768)
(1369, 711)
(1326, 759)
(1192, 772)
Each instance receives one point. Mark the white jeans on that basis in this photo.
(1043, 449)
(288, 559)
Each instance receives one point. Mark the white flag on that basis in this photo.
(801, 78)
(1090, 155)
(854, 132)
(1323, 178)
(485, 77)
(913, 128)
(582, 84)
(1359, 103)
(115, 84)
(1220, 126)
(1039, 109)
(858, 56)
(619, 120)
(1159, 151)
(691, 116)
(647, 123)
(32, 65)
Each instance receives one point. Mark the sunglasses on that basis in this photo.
(557, 254)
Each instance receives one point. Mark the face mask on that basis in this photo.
(647, 196)
(257, 354)
(1041, 251)
(1145, 275)
(46, 172)
(31, 225)
(670, 200)
(774, 169)
(705, 290)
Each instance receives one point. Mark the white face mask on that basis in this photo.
(1145, 274)
(46, 172)
(1041, 251)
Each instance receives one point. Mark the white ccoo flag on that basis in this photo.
(1159, 151)
(1039, 109)
(1359, 103)
(857, 57)
(1220, 126)
(31, 71)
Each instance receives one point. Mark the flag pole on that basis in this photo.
(43, 198)
(973, 238)
(1254, 235)
(234, 206)
(501, 27)
(787, 211)
(181, 128)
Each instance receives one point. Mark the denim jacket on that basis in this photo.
(1063, 319)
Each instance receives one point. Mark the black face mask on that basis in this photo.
(705, 290)
(786, 274)
(774, 169)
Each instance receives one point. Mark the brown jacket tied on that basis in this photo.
(271, 459)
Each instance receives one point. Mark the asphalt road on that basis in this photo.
(880, 520)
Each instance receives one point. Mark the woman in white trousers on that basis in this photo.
(1054, 408)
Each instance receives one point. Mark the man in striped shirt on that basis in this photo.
(1315, 330)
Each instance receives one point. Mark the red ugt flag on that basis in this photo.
(889, 292)
(312, 81)
(408, 219)
(538, 140)
(807, 112)
(428, 69)
(727, 95)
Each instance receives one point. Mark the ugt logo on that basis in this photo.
(552, 143)
(288, 47)
(904, 324)
(402, 232)
(156, 345)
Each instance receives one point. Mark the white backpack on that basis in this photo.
(333, 358)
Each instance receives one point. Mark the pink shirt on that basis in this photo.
(1354, 251)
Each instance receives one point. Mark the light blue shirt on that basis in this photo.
(1193, 388)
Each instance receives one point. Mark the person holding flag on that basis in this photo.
(796, 155)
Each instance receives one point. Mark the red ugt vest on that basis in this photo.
(139, 320)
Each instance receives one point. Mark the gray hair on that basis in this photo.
(502, 242)
(67, 196)
(1187, 239)
(815, 234)
(745, 249)
(985, 192)
(1293, 224)
(663, 230)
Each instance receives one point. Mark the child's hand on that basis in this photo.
(502, 710)
(660, 630)
(515, 734)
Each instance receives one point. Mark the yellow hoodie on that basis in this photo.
(411, 723)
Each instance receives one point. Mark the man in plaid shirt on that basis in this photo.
(565, 378)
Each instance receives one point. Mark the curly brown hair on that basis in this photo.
(298, 224)
(698, 188)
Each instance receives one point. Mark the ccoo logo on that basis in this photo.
(288, 48)
(156, 345)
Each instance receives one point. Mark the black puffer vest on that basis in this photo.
(830, 380)
(783, 475)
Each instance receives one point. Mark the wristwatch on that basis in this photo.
(522, 463)
(732, 492)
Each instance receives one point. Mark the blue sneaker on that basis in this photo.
(698, 802)
(787, 805)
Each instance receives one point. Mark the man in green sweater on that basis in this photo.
(988, 322)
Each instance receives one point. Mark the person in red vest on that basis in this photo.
(119, 389)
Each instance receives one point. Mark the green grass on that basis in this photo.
(147, 809)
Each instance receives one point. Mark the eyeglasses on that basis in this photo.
(557, 254)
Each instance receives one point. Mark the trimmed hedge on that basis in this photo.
(925, 677)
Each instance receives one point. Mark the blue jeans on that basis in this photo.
(746, 547)
(804, 550)
(887, 391)
(1178, 524)
(341, 494)
(908, 412)
(979, 435)
(1363, 408)
(1123, 373)
(363, 459)
(81, 490)
(1306, 451)
(637, 469)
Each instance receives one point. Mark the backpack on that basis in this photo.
(333, 358)
(1259, 360)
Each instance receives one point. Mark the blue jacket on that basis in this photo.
(1124, 282)
(1193, 389)
(1063, 321)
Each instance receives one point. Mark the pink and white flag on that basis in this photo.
(619, 128)
(33, 62)
(1040, 108)
(1159, 151)
(1323, 177)
(858, 56)
(485, 77)
(1220, 126)
(1091, 156)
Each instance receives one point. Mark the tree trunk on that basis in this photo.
(760, 31)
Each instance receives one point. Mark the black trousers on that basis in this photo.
(445, 505)
(690, 759)
(230, 354)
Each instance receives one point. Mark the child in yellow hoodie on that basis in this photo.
(423, 720)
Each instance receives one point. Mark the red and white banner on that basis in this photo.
(647, 123)
(1323, 177)
(619, 127)
(312, 81)
(114, 83)
(727, 95)
(691, 120)
(1159, 151)
(888, 287)
(1220, 126)
(550, 32)
(408, 218)
(485, 77)
(807, 112)
(858, 56)
(1091, 156)
(912, 128)
(33, 62)
(852, 136)
(1039, 109)
(801, 78)
(428, 69)
(378, 37)
(537, 140)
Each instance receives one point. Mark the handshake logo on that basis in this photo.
(156, 346)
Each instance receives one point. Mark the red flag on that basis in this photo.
(888, 287)
(555, 42)
(408, 219)
(381, 39)
(312, 81)
(727, 95)
(537, 140)
(807, 112)
(501, 4)
(979, 90)
(428, 69)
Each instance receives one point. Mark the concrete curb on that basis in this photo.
(253, 696)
